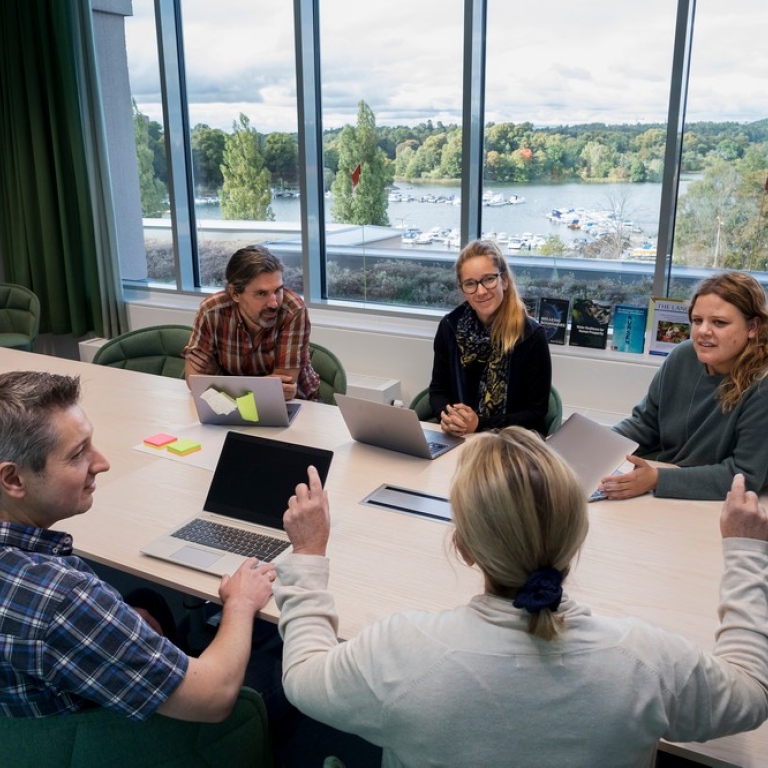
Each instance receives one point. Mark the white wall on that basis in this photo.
(599, 383)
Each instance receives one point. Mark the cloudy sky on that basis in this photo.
(562, 63)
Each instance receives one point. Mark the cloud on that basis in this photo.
(552, 64)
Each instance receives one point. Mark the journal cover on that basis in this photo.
(589, 323)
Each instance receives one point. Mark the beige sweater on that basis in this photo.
(470, 687)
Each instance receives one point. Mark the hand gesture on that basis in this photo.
(743, 516)
(307, 520)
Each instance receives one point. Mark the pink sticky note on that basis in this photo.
(160, 440)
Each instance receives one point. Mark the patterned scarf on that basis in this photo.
(474, 340)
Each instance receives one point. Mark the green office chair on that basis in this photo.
(100, 737)
(554, 417)
(156, 349)
(423, 409)
(19, 317)
(333, 377)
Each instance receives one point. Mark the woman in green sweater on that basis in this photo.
(706, 410)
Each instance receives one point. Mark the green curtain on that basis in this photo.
(56, 213)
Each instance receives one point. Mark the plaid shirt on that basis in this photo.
(282, 343)
(67, 639)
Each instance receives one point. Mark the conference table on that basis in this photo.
(656, 559)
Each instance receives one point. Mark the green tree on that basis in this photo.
(281, 155)
(154, 194)
(246, 192)
(207, 158)
(360, 146)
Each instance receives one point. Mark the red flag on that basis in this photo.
(766, 182)
(355, 177)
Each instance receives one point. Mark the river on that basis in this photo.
(638, 203)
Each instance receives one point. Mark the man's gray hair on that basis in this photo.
(27, 400)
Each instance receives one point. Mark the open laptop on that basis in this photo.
(592, 450)
(241, 401)
(249, 492)
(393, 427)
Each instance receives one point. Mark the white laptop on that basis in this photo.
(392, 427)
(249, 492)
(241, 401)
(592, 450)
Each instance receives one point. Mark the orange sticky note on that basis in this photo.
(183, 447)
(160, 440)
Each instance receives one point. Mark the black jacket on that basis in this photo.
(528, 380)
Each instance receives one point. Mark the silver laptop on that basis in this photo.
(243, 513)
(392, 427)
(241, 401)
(592, 450)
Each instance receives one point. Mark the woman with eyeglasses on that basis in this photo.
(491, 367)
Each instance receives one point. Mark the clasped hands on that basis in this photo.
(459, 420)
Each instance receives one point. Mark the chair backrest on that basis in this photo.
(19, 316)
(333, 377)
(554, 417)
(100, 737)
(156, 349)
(421, 405)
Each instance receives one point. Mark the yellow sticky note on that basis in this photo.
(183, 447)
(246, 404)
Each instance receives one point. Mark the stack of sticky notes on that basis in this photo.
(180, 447)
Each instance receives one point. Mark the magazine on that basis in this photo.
(669, 324)
(629, 328)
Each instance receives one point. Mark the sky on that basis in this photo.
(564, 63)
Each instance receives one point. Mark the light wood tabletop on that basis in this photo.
(656, 559)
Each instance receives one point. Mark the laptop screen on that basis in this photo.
(255, 477)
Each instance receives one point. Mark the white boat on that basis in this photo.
(494, 200)
(516, 199)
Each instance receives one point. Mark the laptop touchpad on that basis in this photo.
(197, 558)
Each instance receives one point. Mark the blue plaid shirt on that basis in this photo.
(67, 639)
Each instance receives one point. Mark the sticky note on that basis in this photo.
(160, 440)
(246, 404)
(183, 447)
(220, 402)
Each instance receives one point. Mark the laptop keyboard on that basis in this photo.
(230, 539)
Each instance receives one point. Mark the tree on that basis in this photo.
(281, 155)
(154, 194)
(246, 192)
(207, 157)
(360, 146)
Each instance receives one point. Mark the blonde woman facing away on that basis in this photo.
(707, 407)
(522, 675)
(492, 367)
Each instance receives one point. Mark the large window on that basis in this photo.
(575, 112)
(391, 116)
(561, 133)
(722, 212)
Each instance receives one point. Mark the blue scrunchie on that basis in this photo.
(542, 589)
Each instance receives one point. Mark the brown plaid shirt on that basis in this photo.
(283, 343)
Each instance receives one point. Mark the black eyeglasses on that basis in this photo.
(487, 281)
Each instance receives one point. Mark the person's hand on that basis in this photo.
(307, 520)
(202, 361)
(459, 420)
(743, 516)
(251, 584)
(290, 387)
(640, 480)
